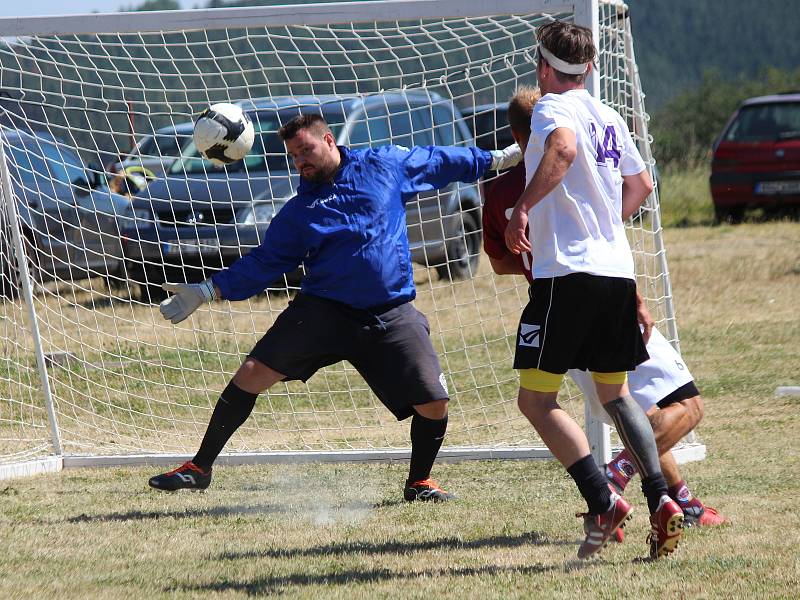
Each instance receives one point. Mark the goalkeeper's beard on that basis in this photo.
(320, 174)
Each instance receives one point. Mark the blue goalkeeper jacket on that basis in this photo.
(351, 234)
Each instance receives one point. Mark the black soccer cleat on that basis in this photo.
(187, 476)
(426, 490)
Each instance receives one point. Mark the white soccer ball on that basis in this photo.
(223, 133)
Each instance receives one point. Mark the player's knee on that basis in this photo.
(527, 406)
(433, 410)
(533, 404)
(254, 376)
(695, 409)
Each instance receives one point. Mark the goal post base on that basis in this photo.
(684, 454)
(52, 464)
(29, 468)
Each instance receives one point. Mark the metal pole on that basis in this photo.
(640, 127)
(587, 14)
(10, 202)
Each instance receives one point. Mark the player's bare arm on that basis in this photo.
(645, 318)
(508, 265)
(559, 153)
(635, 190)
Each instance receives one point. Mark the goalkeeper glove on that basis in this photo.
(506, 158)
(187, 299)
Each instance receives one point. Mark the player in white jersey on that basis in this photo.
(662, 386)
(584, 176)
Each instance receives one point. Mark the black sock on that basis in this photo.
(592, 484)
(653, 488)
(232, 409)
(426, 439)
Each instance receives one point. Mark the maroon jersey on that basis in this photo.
(501, 196)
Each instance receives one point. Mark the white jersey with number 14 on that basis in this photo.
(578, 227)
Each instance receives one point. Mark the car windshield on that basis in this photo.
(268, 152)
(160, 145)
(766, 122)
(39, 163)
(491, 129)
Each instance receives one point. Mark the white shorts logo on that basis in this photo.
(443, 381)
(529, 335)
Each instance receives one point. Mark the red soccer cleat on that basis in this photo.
(709, 517)
(667, 526)
(187, 476)
(600, 528)
(426, 490)
(619, 535)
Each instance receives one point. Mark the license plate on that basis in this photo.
(190, 248)
(778, 187)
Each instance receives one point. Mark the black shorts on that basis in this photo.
(580, 321)
(686, 391)
(391, 349)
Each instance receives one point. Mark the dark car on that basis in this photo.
(157, 152)
(756, 162)
(68, 216)
(489, 125)
(200, 218)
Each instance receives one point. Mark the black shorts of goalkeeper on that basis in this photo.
(389, 346)
(580, 321)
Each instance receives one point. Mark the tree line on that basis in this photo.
(685, 128)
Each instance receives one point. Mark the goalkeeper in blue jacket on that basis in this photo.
(347, 226)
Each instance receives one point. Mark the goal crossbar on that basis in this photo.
(300, 14)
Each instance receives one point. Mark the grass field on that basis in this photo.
(342, 532)
(686, 197)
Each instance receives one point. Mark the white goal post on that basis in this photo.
(90, 374)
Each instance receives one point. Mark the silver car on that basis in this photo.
(199, 218)
(68, 216)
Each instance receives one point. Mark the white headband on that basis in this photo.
(560, 65)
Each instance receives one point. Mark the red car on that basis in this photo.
(756, 161)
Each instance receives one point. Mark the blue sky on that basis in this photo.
(61, 7)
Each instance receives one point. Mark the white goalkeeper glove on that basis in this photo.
(506, 158)
(187, 299)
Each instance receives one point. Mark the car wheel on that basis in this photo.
(463, 251)
(729, 214)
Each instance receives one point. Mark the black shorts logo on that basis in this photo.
(528, 335)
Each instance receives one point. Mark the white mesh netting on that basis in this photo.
(123, 380)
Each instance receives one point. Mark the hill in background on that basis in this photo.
(677, 41)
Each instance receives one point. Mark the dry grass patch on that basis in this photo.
(341, 531)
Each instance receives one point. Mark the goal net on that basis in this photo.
(104, 198)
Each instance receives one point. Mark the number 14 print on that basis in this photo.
(607, 147)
